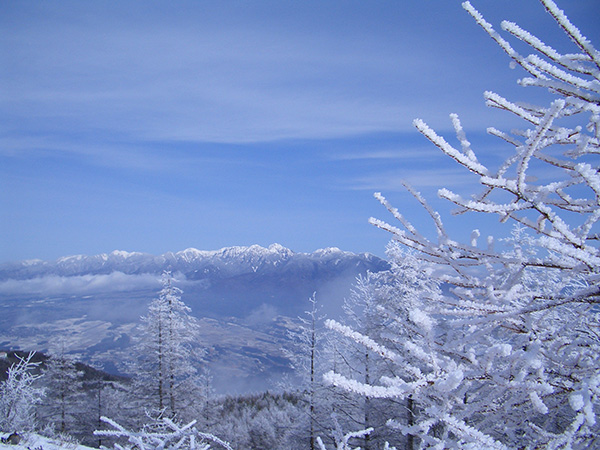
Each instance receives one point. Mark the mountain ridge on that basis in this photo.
(234, 260)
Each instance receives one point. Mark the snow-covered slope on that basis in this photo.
(32, 441)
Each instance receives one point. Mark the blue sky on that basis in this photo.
(155, 126)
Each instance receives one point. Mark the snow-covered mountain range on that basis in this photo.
(246, 298)
(195, 264)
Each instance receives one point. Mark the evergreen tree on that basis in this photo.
(308, 361)
(104, 398)
(378, 307)
(62, 405)
(166, 356)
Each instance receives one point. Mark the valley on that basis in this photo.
(247, 300)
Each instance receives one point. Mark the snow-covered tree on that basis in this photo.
(401, 330)
(306, 358)
(19, 396)
(260, 421)
(64, 385)
(370, 296)
(165, 355)
(207, 393)
(509, 356)
(104, 397)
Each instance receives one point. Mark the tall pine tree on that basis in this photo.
(62, 405)
(165, 356)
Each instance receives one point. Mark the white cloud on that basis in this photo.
(81, 285)
(262, 315)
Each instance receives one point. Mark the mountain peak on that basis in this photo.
(190, 254)
(328, 251)
(123, 254)
(70, 259)
(278, 248)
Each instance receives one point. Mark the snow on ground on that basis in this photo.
(37, 442)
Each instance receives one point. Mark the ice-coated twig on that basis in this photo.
(466, 160)
(179, 437)
(572, 31)
(503, 43)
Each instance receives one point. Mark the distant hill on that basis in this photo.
(246, 298)
(8, 358)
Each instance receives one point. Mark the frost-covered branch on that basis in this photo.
(19, 395)
(507, 354)
(573, 32)
(342, 441)
(172, 436)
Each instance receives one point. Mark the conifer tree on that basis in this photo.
(166, 355)
(363, 308)
(64, 386)
(105, 398)
(307, 360)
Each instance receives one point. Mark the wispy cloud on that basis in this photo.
(399, 153)
(419, 178)
(200, 83)
(229, 81)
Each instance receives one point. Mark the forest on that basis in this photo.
(493, 343)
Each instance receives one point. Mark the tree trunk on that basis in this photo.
(160, 369)
(410, 439)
